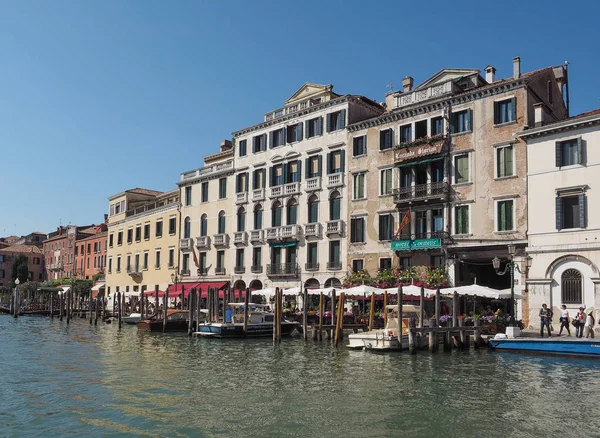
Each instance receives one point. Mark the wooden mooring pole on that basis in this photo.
(96, 309)
(330, 333)
(246, 304)
(166, 307)
(51, 305)
(191, 306)
(305, 314)
(371, 311)
(69, 305)
(400, 317)
(412, 348)
(119, 308)
(432, 335)
(321, 312)
(198, 307)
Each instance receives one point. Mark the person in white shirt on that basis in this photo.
(564, 320)
(588, 329)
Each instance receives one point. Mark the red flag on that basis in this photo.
(195, 258)
(405, 221)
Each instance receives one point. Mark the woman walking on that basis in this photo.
(564, 320)
(589, 326)
(579, 323)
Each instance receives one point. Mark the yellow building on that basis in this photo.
(143, 235)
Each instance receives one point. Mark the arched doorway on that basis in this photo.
(239, 285)
(312, 283)
(333, 282)
(256, 285)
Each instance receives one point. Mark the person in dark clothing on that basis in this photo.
(564, 320)
(545, 319)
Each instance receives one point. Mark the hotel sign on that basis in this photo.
(413, 152)
(414, 245)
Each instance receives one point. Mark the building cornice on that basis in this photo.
(437, 104)
(563, 126)
(153, 212)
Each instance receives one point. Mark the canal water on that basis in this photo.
(58, 380)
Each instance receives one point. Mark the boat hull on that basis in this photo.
(561, 347)
(376, 340)
(232, 330)
(157, 326)
(134, 318)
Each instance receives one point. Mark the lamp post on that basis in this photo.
(174, 280)
(509, 268)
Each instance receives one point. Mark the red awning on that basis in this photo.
(203, 286)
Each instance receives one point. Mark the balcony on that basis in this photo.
(221, 239)
(291, 189)
(312, 230)
(240, 238)
(185, 244)
(283, 270)
(276, 191)
(256, 236)
(185, 272)
(203, 242)
(55, 266)
(219, 270)
(311, 267)
(406, 99)
(284, 232)
(258, 194)
(335, 228)
(335, 180)
(134, 270)
(421, 192)
(313, 184)
(149, 207)
(256, 269)
(334, 266)
(241, 198)
(239, 269)
(211, 170)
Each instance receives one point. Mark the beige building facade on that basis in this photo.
(143, 237)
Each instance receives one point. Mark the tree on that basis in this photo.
(19, 269)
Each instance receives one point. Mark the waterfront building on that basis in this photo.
(208, 224)
(564, 213)
(446, 157)
(291, 191)
(91, 254)
(59, 250)
(143, 234)
(34, 262)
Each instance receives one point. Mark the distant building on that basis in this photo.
(34, 259)
(91, 254)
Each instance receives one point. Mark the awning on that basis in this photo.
(186, 287)
(98, 286)
(282, 244)
(421, 161)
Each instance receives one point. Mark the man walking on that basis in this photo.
(545, 319)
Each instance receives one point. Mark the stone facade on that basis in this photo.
(34, 259)
(91, 255)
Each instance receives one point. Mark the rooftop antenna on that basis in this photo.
(390, 86)
(567, 85)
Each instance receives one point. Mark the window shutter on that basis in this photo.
(452, 124)
(283, 136)
(381, 235)
(354, 148)
(558, 213)
(320, 160)
(299, 131)
(254, 179)
(496, 113)
(558, 154)
(328, 122)
(580, 151)
(247, 180)
(284, 171)
(513, 109)
(306, 168)
(270, 176)
(254, 144)
(382, 139)
(299, 170)
(307, 133)
(320, 126)
(342, 161)
(264, 179)
(582, 215)
(469, 120)
(328, 163)
(237, 183)
(271, 135)
(342, 120)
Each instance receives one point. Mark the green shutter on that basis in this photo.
(271, 139)
(580, 151)
(343, 161)
(254, 179)
(558, 212)
(299, 131)
(270, 176)
(328, 122)
(513, 109)
(342, 120)
(329, 161)
(582, 215)
(320, 166)
(306, 168)
(558, 155)
(382, 140)
(469, 120)
(299, 170)
(237, 183)
(247, 180)
(320, 126)
(496, 113)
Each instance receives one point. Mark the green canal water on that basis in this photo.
(59, 380)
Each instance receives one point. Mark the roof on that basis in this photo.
(589, 118)
(89, 230)
(595, 112)
(22, 249)
(140, 191)
(95, 236)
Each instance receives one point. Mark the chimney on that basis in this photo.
(225, 145)
(105, 218)
(407, 84)
(516, 67)
(540, 116)
(490, 74)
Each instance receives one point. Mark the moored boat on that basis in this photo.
(549, 346)
(132, 318)
(177, 321)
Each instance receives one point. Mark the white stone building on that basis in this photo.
(563, 161)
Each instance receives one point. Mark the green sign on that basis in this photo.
(413, 245)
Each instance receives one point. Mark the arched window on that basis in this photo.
(276, 214)
(334, 206)
(258, 217)
(187, 228)
(221, 229)
(203, 225)
(571, 287)
(292, 212)
(313, 209)
(241, 219)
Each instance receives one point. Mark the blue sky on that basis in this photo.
(97, 97)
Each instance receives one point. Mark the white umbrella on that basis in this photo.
(363, 289)
(411, 290)
(479, 291)
(292, 291)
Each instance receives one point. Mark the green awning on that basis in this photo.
(424, 160)
(282, 244)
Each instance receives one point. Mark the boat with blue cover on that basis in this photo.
(551, 346)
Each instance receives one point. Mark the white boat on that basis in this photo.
(388, 338)
(260, 323)
(132, 318)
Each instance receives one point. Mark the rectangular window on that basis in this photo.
(146, 231)
(461, 169)
(334, 254)
(293, 172)
(405, 263)
(313, 255)
(294, 132)
(505, 111)
(421, 129)
(357, 230)
(314, 127)
(335, 162)
(220, 261)
(118, 264)
(202, 262)
(188, 195)
(242, 148)
(277, 138)
(120, 238)
(276, 173)
(129, 237)
(385, 182)
(437, 261)
(461, 121)
(222, 188)
(185, 269)
(359, 186)
(336, 121)
(171, 257)
(256, 257)
(110, 240)
(437, 126)
(239, 258)
(571, 211)
(145, 265)
(461, 219)
(405, 133)
(359, 146)
(109, 265)
(386, 226)
(172, 225)
(504, 161)
(386, 139)
(569, 152)
(505, 211)
(241, 182)
(385, 263)
(259, 143)
(159, 225)
(358, 265)
(313, 166)
(204, 192)
(157, 259)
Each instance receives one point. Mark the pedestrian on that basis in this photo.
(564, 320)
(589, 326)
(545, 319)
(579, 323)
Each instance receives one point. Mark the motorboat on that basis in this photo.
(260, 323)
(547, 346)
(177, 321)
(387, 338)
(132, 318)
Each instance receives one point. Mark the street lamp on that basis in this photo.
(174, 280)
(509, 268)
